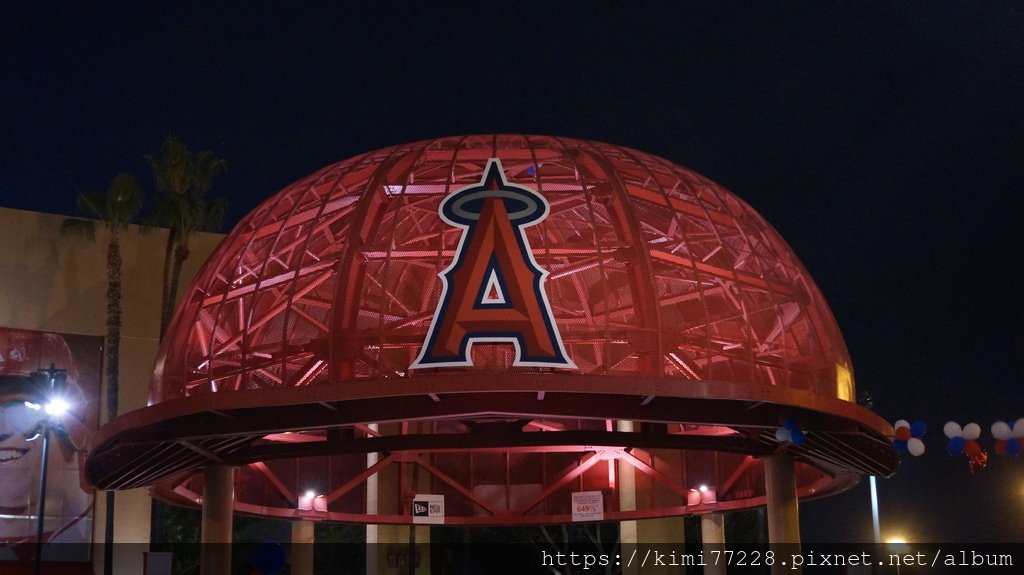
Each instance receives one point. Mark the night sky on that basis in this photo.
(885, 142)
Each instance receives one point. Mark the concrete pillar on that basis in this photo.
(625, 484)
(665, 533)
(372, 495)
(783, 509)
(302, 547)
(712, 534)
(218, 503)
(393, 553)
(663, 530)
(387, 548)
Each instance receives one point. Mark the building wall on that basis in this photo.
(50, 282)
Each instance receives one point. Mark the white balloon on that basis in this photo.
(915, 446)
(1001, 430)
(901, 423)
(1018, 428)
(972, 431)
(952, 429)
(783, 434)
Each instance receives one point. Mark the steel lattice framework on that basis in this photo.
(694, 328)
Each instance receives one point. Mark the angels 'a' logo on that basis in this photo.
(493, 290)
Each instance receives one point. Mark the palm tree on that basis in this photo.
(183, 179)
(115, 211)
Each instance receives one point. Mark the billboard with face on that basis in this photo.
(68, 509)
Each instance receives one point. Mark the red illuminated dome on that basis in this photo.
(364, 312)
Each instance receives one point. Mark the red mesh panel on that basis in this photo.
(655, 275)
(731, 300)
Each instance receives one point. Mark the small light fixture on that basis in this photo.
(312, 501)
(701, 495)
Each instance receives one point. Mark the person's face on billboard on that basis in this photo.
(19, 453)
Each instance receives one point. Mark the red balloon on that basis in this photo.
(903, 433)
(1001, 447)
(972, 449)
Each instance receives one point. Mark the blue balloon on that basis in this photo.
(956, 445)
(1013, 446)
(269, 558)
(900, 445)
(797, 437)
(918, 428)
(790, 424)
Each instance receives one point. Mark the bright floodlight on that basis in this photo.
(703, 488)
(57, 406)
(310, 494)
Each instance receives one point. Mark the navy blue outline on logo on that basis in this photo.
(481, 298)
(461, 209)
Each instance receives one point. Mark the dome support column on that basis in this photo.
(626, 486)
(783, 510)
(303, 538)
(712, 532)
(218, 507)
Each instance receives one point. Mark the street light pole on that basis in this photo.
(42, 498)
(54, 407)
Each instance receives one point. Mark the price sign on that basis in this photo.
(587, 506)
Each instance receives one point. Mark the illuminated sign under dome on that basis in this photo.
(501, 321)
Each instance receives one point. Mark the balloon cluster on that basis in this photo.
(1009, 440)
(908, 437)
(965, 440)
(790, 432)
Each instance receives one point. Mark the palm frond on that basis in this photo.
(92, 204)
(216, 213)
(184, 179)
(171, 167)
(205, 168)
(75, 227)
(123, 201)
(115, 210)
